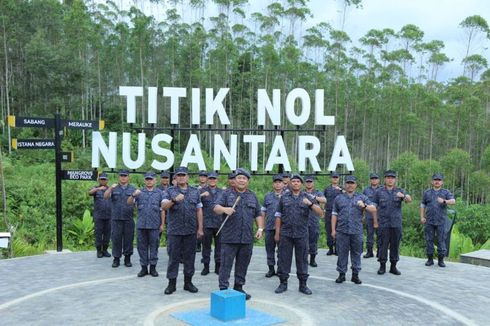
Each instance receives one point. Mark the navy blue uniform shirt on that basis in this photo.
(102, 207)
(121, 210)
(239, 227)
(435, 213)
(349, 214)
(182, 216)
(149, 208)
(294, 214)
(389, 207)
(271, 200)
(211, 219)
(330, 193)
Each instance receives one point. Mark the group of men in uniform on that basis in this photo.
(289, 217)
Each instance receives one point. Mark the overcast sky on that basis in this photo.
(438, 19)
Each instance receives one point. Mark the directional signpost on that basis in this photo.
(58, 124)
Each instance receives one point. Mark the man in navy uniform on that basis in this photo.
(203, 182)
(212, 222)
(314, 219)
(237, 232)
(184, 217)
(292, 216)
(330, 192)
(433, 213)
(388, 200)
(231, 180)
(122, 219)
(370, 230)
(347, 228)
(269, 209)
(151, 217)
(102, 216)
(164, 180)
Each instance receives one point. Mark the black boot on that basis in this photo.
(355, 278)
(440, 261)
(271, 271)
(283, 287)
(341, 278)
(143, 271)
(303, 288)
(239, 288)
(393, 269)
(430, 260)
(369, 253)
(99, 252)
(127, 261)
(115, 262)
(105, 253)
(382, 268)
(153, 271)
(312, 261)
(217, 266)
(171, 286)
(188, 286)
(330, 251)
(205, 270)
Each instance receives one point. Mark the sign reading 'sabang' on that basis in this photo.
(308, 146)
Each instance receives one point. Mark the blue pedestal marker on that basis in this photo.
(227, 305)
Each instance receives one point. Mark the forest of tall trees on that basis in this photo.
(384, 89)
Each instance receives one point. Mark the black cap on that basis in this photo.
(203, 173)
(123, 173)
(150, 175)
(334, 174)
(241, 171)
(286, 175)
(309, 178)
(164, 174)
(212, 175)
(351, 179)
(277, 177)
(231, 175)
(103, 176)
(390, 173)
(181, 170)
(373, 175)
(438, 176)
(297, 176)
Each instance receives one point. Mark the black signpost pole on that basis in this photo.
(58, 132)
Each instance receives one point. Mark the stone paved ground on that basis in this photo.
(79, 289)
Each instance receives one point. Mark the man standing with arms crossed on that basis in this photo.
(433, 213)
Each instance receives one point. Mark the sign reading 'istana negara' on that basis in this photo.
(308, 146)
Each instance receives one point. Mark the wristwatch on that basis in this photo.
(260, 229)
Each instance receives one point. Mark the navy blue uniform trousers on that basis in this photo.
(286, 246)
(122, 237)
(240, 253)
(181, 247)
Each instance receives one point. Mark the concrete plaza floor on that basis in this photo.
(80, 289)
